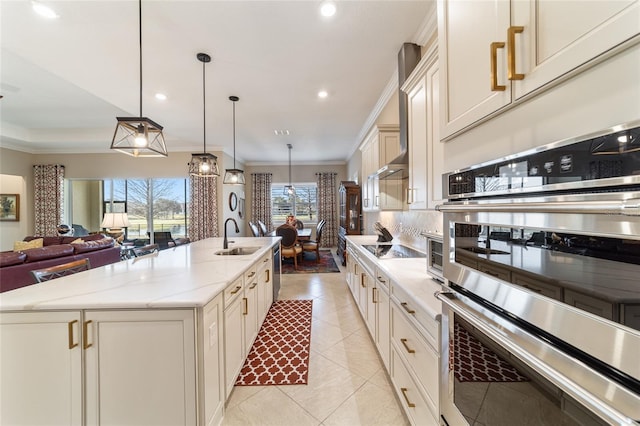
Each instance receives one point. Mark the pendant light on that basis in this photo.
(207, 163)
(289, 189)
(234, 176)
(139, 136)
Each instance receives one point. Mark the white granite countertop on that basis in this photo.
(605, 279)
(186, 276)
(408, 273)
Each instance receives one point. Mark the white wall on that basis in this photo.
(11, 231)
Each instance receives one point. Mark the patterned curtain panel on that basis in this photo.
(48, 183)
(261, 199)
(203, 206)
(328, 208)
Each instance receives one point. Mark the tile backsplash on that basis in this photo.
(406, 225)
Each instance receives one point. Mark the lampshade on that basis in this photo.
(234, 176)
(289, 189)
(139, 136)
(617, 143)
(207, 163)
(115, 221)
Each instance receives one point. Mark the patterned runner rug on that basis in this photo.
(308, 264)
(280, 354)
(474, 362)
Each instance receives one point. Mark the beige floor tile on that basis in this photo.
(370, 405)
(329, 385)
(356, 353)
(268, 407)
(242, 393)
(324, 335)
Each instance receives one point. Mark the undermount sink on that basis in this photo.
(482, 250)
(237, 251)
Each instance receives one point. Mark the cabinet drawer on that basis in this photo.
(429, 327)
(537, 285)
(419, 409)
(421, 358)
(495, 270)
(382, 278)
(232, 292)
(591, 304)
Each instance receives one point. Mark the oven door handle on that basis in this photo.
(629, 207)
(454, 302)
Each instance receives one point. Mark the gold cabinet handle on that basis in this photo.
(495, 87)
(268, 276)
(374, 293)
(404, 394)
(381, 280)
(511, 53)
(246, 306)
(409, 196)
(362, 280)
(85, 334)
(253, 285)
(409, 350)
(251, 274)
(237, 289)
(72, 344)
(405, 306)
(266, 260)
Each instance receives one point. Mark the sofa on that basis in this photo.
(16, 266)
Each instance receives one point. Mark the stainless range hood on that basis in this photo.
(408, 58)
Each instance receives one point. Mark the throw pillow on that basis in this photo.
(77, 241)
(24, 245)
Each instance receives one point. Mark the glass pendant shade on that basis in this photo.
(139, 136)
(207, 164)
(234, 176)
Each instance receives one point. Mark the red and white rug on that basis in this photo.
(280, 353)
(474, 362)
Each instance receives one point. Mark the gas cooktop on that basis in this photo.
(392, 251)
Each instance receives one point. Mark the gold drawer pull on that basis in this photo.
(266, 260)
(72, 344)
(362, 280)
(511, 53)
(404, 343)
(409, 311)
(381, 280)
(374, 293)
(404, 394)
(251, 274)
(246, 306)
(253, 285)
(268, 276)
(237, 289)
(495, 87)
(85, 334)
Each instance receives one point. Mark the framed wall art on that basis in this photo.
(10, 207)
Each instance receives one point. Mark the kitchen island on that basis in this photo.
(152, 340)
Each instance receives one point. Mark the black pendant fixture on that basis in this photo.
(234, 176)
(139, 136)
(207, 164)
(289, 189)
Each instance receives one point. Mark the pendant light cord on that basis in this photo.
(234, 135)
(204, 111)
(289, 146)
(140, 36)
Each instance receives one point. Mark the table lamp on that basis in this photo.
(114, 222)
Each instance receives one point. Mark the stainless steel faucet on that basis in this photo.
(225, 243)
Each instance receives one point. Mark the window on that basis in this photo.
(304, 205)
(151, 204)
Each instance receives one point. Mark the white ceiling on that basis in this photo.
(65, 80)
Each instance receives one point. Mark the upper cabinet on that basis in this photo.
(495, 52)
(381, 146)
(426, 153)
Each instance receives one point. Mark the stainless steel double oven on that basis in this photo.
(541, 321)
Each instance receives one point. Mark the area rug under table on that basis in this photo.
(280, 353)
(308, 264)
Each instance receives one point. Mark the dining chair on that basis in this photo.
(145, 250)
(299, 224)
(46, 274)
(163, 239)
(315, 245)
(254, 229)
(289, 247)
(263, 228)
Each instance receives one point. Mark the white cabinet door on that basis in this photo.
(212, 361)
(417, 191)
(250, 312)
(466, 31)
(435, 148)
(41, 365)
(265, 287)
(234, 351)
(383, 339)
(140, 367)
(560, 35)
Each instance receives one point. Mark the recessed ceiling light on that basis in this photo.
(328, 9)
(161, 96)
(281, 132)
(323, 94)
(43, 10)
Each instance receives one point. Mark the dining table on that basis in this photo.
(303, 234)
